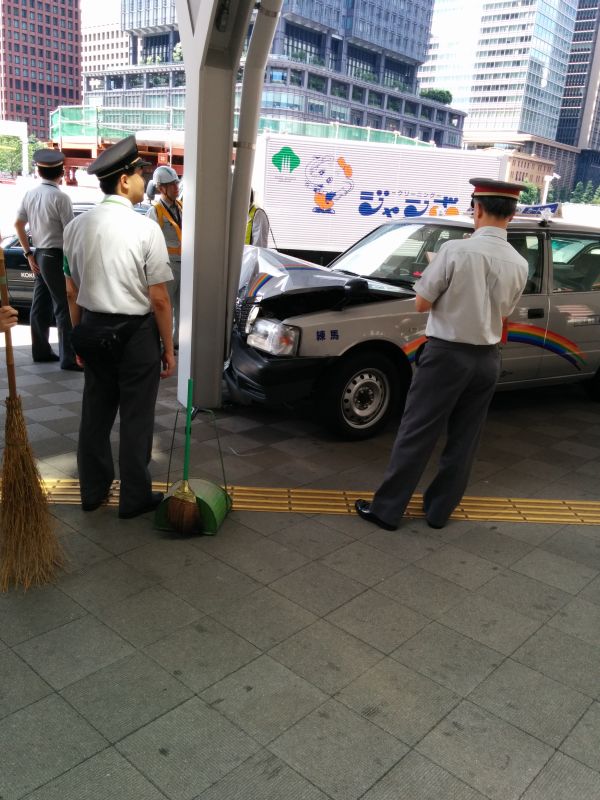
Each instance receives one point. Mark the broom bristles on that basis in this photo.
(30, 553)
(183, 512)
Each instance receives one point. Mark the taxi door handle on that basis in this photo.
(535, 313)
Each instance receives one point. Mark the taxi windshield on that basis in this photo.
(398, 253)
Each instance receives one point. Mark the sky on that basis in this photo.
(100, 12)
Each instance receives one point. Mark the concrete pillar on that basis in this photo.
(212, 34)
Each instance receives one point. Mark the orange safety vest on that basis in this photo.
(162, 212)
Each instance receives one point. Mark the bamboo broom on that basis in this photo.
(182, 509)
(30, 553)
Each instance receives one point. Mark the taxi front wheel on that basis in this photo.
(359, 395)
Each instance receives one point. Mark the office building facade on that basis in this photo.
(353, 63)
(40, 60)
(579, 122)
(505, 62)
(104, 47)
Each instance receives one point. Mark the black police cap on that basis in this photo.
(48, 158)
(120, 157)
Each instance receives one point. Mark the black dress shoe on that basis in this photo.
(93, 506)
(47, 359)
(73, 368)
(363, 509)
(434, 525)
(155, 501)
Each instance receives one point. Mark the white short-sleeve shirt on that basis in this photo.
(473, 284)
(48, 211)
(114, 254)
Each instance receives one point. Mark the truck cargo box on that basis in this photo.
(321, 195)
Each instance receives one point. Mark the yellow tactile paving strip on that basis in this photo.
(322, 501)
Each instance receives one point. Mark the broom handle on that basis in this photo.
(10, 360)
(188, 430)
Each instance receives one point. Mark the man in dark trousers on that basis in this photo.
(469, 289)
(47, 210)
(117, 269)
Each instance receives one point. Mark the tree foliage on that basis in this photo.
(11, 162)
(530, 195)
(439, 95)
(588, 193)
(10, 155)
(577, 193)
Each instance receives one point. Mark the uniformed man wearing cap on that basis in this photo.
(168, 212)
(117, 269)
(469, 289)
(47, 210)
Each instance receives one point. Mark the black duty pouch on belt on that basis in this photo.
(95, 340)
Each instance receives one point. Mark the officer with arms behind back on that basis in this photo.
(117, 268)
(168, 212)
(47, 210)
(470, 288)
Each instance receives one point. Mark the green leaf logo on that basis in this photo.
(286, 160)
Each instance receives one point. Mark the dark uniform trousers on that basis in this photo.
(128, 384)
(451, 391)
(49, 303)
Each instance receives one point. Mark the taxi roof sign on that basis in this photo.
(545, 210)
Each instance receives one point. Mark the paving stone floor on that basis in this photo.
(296, 657)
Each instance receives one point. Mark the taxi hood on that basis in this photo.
(289, 286)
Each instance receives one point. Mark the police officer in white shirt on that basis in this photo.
(47, 210)
(469, 289)
(117, 269)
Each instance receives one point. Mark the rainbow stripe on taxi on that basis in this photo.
(524, 334)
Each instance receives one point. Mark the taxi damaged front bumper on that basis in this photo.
(255, 376)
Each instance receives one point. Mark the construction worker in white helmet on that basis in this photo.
(167, 211)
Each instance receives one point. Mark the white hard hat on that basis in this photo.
(164, 175)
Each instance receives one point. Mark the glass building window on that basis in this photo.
(179, 78)
(315, 107)
(281, 99)
(158, 79)
(296, 77)
(155, 100)
(135, 81)
(317, 83)
(394, 104)
(302, 44)
(375, 99)
(339, 113)
(362, 64)
(358, 94)
(339, 89)
(277, 75)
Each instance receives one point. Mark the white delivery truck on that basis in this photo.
(321, 195)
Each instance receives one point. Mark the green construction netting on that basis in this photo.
(116, 123)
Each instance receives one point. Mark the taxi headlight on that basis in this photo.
(274, 337)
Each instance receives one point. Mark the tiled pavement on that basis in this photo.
(296, 657)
